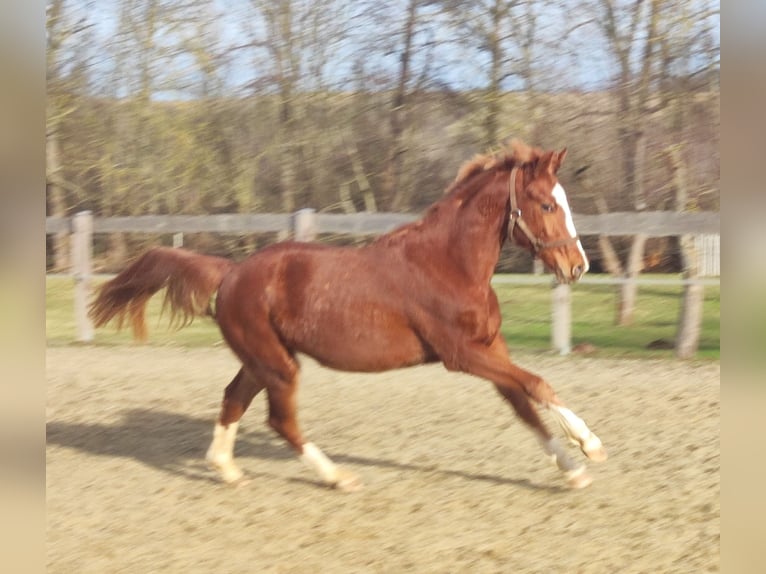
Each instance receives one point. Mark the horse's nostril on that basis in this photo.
(577, 271)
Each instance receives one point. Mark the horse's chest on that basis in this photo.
(478, 323)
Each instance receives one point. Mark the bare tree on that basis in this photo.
(638, 36)
(485, 27)
(290, 48)
(690, 317)
(62, 35)
(391, 187)
(357, 105)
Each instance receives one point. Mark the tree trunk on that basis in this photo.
(629, 290)
(392, 175)
(362, 182)
(633, 163)
(57, 202)
(493, 93)
(288, 189)
(288, 151)
(118, 252)
(690, 315)
(609, 256)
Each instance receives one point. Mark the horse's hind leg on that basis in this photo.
(267, 360)
(237, 397)
(283, 419)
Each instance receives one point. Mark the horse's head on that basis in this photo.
(540, 219)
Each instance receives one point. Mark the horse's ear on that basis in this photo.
(557, 160)
(545, 164)
(551, 161)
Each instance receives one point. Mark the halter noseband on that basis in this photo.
(514, 219)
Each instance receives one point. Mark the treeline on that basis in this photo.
(150, 121)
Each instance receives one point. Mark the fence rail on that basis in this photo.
(651, 223)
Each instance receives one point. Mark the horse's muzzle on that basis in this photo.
(572, 275)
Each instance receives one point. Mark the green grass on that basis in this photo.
(526, 320)
(526, 313)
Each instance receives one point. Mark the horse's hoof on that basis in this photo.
(348, 482)
(578, 478)
(593, 449)
(230, 473)
(240, 482)
(596, 455)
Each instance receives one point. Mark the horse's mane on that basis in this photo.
(515, 152)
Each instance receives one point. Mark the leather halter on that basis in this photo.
(514, 219)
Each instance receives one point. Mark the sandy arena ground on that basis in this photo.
(453, 480)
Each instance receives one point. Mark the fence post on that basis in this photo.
(561, 330)
(304, 225)
(82, 249)
(690, 316)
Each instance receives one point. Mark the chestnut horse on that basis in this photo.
(419, 294)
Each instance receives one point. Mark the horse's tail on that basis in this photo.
(190, 280)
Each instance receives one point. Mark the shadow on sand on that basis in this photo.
(176, 444)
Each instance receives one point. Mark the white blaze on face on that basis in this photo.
(561, 199)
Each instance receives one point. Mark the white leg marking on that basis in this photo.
(220, 454)
(561, 199)
(327, 471)
(558, 455)
(579, 433)
(318, 461)
(575, 474)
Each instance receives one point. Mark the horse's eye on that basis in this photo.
(548, 207)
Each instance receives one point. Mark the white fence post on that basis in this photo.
(708, 247)
(561, 330)
(304, 225)
(82, 249)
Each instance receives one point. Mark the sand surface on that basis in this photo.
(454, 482)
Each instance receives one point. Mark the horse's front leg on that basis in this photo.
(573, 471)
(519, 386)
(573, 426)
(541, 392)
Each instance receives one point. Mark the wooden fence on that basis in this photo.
(651, 223)
(708, 246)
(307, 224)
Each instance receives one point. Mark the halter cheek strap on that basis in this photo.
(515, 220)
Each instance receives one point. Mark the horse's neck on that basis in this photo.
(474, 246)
(467, 231)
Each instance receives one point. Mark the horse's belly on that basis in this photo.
(363, 347)
(364, 358)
